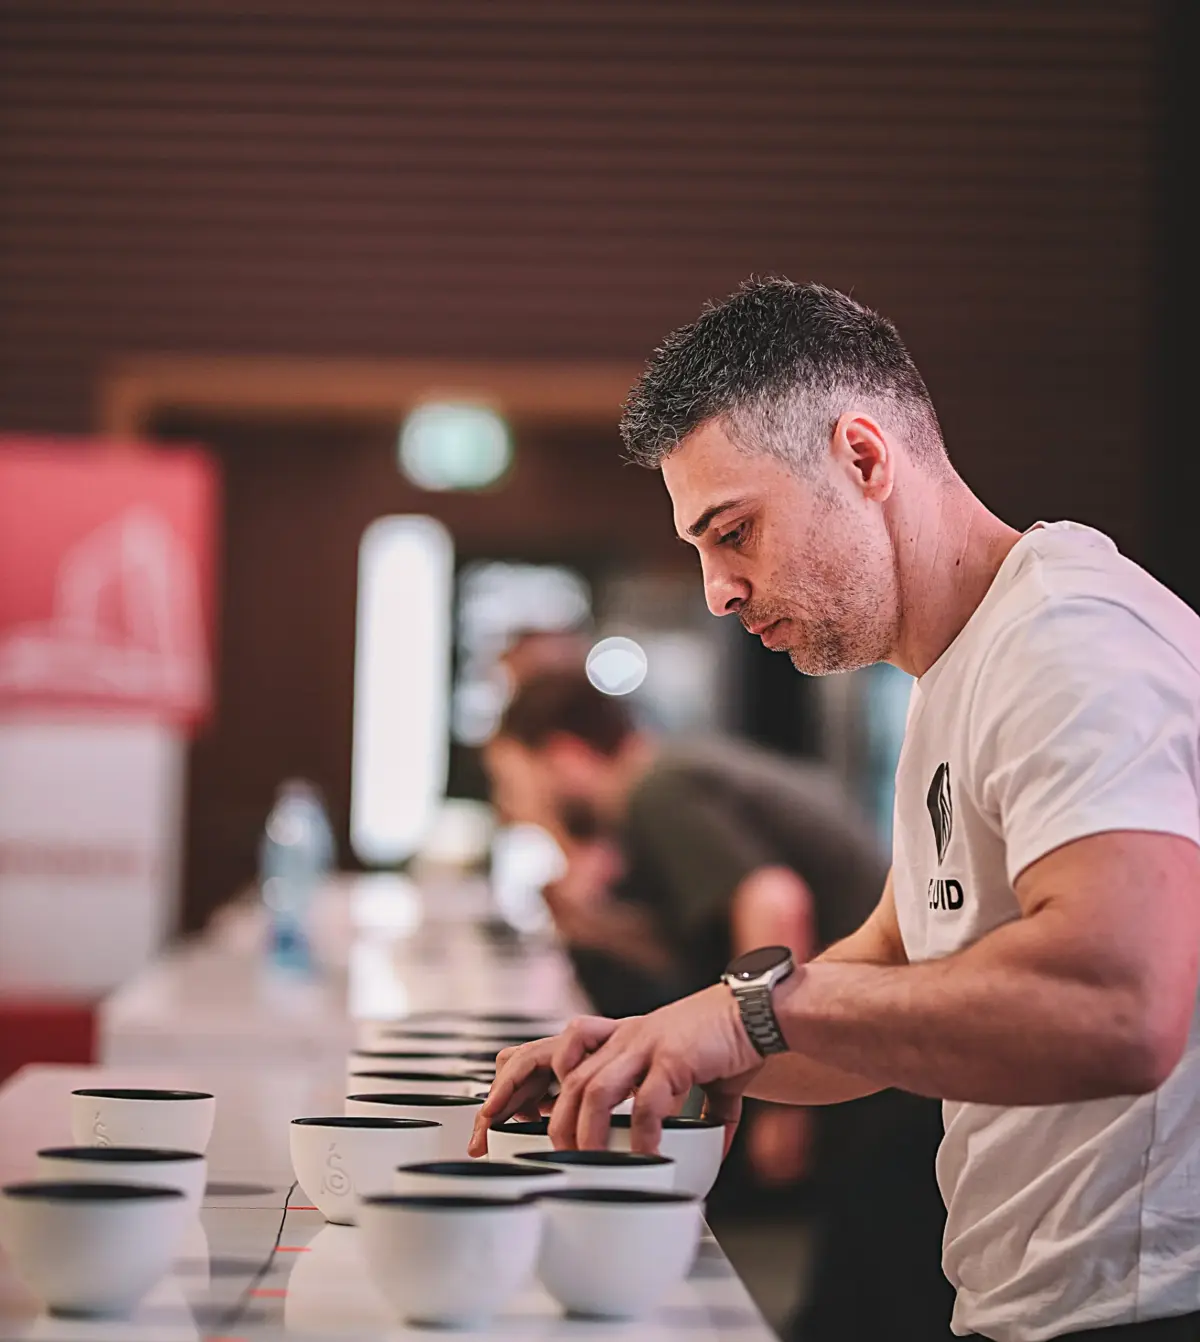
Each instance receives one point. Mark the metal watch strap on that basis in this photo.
(758, 1016)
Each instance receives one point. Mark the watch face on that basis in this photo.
(756, 963)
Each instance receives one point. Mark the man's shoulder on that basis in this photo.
(1075, 600)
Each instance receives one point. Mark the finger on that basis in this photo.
(522, 1079)
(657, 1097)
(477, 1145)
(602, 1092)
(564, 1119)
(724, 1106)
(582, 1037)
(524, 1063)
(564, 1116)
(521, 1102)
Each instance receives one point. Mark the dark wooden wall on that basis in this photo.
(540, 178)
(530, 177)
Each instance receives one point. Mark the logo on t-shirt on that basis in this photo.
(943, 894)
(941, 808)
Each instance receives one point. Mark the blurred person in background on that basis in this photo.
(1035, 952)
(679, 856)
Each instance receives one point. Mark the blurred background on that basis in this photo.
(386, 271)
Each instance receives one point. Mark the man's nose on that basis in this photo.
(725, 593)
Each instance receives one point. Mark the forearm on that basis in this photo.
(1010, 1020)
(791, 1078)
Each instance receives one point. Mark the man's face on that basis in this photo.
(805, 564)
(555, 787)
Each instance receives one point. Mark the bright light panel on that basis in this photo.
(455, 445)
(401, 685)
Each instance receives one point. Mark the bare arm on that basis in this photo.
(1090, 993)
(792, 1078)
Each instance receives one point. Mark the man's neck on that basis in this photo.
(948, 551)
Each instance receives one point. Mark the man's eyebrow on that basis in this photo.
(701, 524)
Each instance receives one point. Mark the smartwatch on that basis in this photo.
(752, 978)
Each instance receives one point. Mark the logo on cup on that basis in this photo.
(336, 1182)
(99, 1131)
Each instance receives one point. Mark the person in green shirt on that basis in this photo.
(680, 855)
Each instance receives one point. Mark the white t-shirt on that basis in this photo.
(1069, 705)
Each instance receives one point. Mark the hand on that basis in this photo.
(699, 1040)
(525, 1074)
(594, 866)
(622, 930)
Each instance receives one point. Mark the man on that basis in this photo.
(721, 846)
(1033, 959)
(680, 856)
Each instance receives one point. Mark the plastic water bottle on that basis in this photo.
(295, 855)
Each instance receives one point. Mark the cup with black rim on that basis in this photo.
(418, 1060)
(508, 1140)
(449, 1260)
(478, 1178)
(155, 1166)
(402, 1081)
(608, 1169)
(179, 1120)
(696, 1145)
(450, 1041)
(339, 1159)
(491, 1025)
(616, 1252)
(455, 1113)
(88, 1248)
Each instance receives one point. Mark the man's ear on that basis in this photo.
(864, 452)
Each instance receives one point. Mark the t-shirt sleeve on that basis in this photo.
(1085, 721)
(698, 847)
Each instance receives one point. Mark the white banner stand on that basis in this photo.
(90, 822)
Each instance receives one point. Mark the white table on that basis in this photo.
(259, 1265)
(386, 948)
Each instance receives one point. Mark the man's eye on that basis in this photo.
(734, 537)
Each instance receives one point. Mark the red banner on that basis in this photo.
(107, 592)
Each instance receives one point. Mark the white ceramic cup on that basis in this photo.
(506, 1141)
(614, 1252)
(696, 1145)
(386, 1081)
(609, 1169)
(180, 1120)
(338, 1160)
(477, 1178)
(449, 1260)
(447, 1041)
(185, 1170)
(90, 1248)
(467, 1063)
(490, 1023)
(455, 1113)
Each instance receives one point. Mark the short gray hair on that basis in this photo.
(778, 363)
